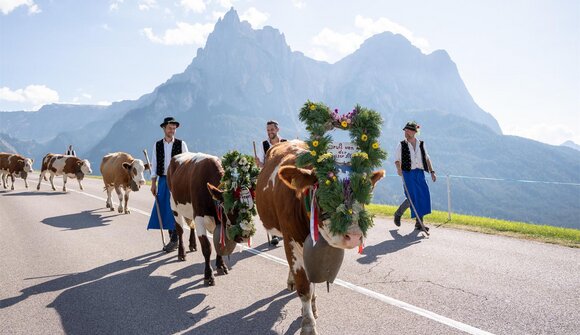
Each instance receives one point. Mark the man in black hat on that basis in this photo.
(412, 161)
(163, 151)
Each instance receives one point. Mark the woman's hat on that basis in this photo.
(169, 120)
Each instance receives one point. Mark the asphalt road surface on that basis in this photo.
(69, 265)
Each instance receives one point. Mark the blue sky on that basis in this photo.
(519, 59)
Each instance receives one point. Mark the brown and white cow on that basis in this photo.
(14, 165)
(189, 177)
(279, 193)
(67, 166)
(121, 171)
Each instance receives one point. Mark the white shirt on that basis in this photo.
(167, 146)
(416, 156)
(261, 153)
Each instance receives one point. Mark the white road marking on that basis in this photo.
(371, 294)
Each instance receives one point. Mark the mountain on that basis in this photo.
(10, 144)
(571, 144)
(244, 77)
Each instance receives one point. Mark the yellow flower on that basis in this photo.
(334, 178)
(364, 137)
(350, 211)
(344, 124)
(324, 157)
(327, 182)
(315, 143)
(376, 145)
(313, 153)
(312, 107)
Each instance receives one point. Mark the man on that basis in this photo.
(70, 151)
(412, 161)
(163, 150)
(272, 129)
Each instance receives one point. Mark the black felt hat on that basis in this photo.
(169, 120)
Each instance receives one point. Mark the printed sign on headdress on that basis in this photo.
(342, 149)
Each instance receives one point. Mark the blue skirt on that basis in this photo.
(164, 207)
(418, 191)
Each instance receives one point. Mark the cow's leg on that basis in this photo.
(127, 211)
(42, 174)
(305, 289)
(221, 265)
(25, 182)
(180, 248)
(52, 181)
(290, 281)
(64, 178)
(208, 278)
(192, 240)
(12, 179)
(80, 184)
(3, 175)
(109, 202)
(120, 196)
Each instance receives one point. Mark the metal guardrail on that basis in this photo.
(449, 176)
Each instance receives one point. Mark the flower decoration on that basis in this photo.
(239, 184)
(343, 199)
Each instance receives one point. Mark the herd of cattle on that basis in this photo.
(193, 180)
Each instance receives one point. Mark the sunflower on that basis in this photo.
(344, 124)
(376, 145)
(364, 137)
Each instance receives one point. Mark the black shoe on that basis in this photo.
(418, 227)
(397, 220)
(171, 246)
(274, 241)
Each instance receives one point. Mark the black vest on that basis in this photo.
(266, 145)
(406, 156)
(160, 154)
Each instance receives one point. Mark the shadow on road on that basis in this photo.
(85, 219)
(398, 242)
(15, 193)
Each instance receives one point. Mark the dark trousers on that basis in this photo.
(173, 235)
(404, 206)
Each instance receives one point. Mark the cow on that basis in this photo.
(121, 171)
(67, 166)
(279, 197)
(14, 165)
(192, 179)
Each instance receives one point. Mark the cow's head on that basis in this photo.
(85, 166)
(135, 170)
(230, 217)
(26, 164)
(300, 180)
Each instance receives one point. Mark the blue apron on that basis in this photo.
(418, 191)
(164, 207)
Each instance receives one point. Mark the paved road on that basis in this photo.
(68, 265)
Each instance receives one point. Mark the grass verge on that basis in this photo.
(543, 233)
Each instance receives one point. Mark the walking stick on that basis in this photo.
(256, 155)
(156, 203)
(414, 209)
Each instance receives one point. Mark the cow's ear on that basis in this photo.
(126, 165)
(20, 161)
(147, 166)
(377, 175)
(32, 160)
(215, 192)
(296, 178)
(79, 163)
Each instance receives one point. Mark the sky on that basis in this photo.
(519, 59)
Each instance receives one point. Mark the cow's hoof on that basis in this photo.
(222, 270)
(120, 210)
(127, 211)
(108, 205)
(64, 190)
(82, 189)
(54, 188)
(209, 281)
(192, 248)
(181, 258)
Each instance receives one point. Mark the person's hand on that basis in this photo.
(154, 189)
(400, 172)
(433, 176)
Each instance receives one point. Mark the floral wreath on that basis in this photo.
(343, 200)
(239, 184)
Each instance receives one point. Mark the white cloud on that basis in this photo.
(215, 15)
(7, 6)
(330, 45)
(104, 103)
(227, 4)
(555, 134)
(35, 95)
(115, 5)
(147, 4)
(299, 3)
(255, 17)
(184, 34)
(196, 6)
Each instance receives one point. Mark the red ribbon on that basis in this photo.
(361, 246)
